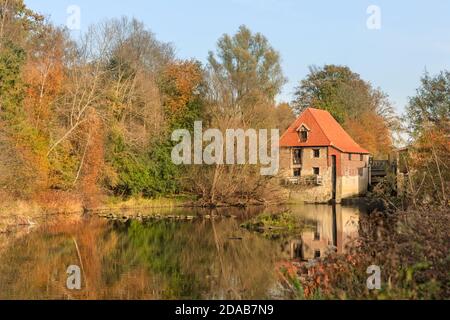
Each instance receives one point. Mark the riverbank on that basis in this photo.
(19, 213)
(16, 213)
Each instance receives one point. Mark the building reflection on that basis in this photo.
(327, 229)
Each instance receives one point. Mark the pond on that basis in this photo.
(198, 259)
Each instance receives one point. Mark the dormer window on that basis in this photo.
(303, 132)
(303, 135)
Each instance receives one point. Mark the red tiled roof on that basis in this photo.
(324, 131)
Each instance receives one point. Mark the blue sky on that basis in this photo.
(414, 35)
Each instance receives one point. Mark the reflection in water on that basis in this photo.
(204, 259)
(327, 228)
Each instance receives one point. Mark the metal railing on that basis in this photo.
(306, 181)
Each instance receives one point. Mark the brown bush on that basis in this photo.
(411, 248)
(55, 201)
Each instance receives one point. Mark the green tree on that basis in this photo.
(12, 87)
(431, 105)
(243, 78)
(23, 162)
(247, 64)
(336, 89)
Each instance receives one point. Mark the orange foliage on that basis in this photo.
(43, 74)
(432, 141)
(179, 82)
(429, 164)
(371, 132)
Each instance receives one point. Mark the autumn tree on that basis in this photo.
(16, 22)
(81, 95)
(370, 131)
(138, 160)
(22, 164)
(182, 87)
(44, 73)
(284, 116)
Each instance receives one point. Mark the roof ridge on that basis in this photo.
(319, 125)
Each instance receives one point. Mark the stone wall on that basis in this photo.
(317, 194)
(355, 185)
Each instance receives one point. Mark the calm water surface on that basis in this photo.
(200, 259)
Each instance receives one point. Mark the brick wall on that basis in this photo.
(310, 162)
(285, 163)
(352, 175)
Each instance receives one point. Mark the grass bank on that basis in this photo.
(116, 203)
(17, 213)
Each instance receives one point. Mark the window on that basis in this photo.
(316, 153)
(350, 157)
(303, 135)
(316, 254)
(297, 156)
(361, 157)
(316, 171)
(303, 132)
(297, 172)
(317, 236)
